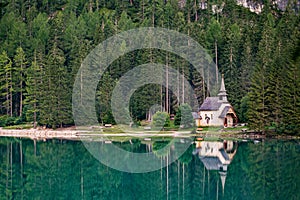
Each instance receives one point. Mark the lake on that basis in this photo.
(62, 169)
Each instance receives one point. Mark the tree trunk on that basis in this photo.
(34, 114)
(182, 85)
(167, 85)
(10, 93)
(7, 95)
(216, 52)
(21, 91)
(196, 13)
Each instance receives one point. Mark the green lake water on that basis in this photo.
(61, 169)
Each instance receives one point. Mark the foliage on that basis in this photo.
(161, 120)
(10, 121)
(184, 116)
(44, 44)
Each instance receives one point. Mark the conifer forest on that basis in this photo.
(43, 43)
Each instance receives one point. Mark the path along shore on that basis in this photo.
(42, 134)
(73, 134)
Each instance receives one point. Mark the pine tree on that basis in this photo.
(6, 83)
(231, 64)
(287, 59)
(259, 109)
(33, 91)
(20, 66)
(213, 38)
(56, 104)
(103, 97)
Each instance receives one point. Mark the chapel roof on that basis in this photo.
(224, 112)
(211, 103)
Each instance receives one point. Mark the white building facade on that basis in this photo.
(217, 111)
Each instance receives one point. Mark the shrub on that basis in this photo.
(184, 116)
(3, 121)
(10, 121)
(161, 120)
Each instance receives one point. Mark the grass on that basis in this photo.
(112, 130)
(211, 128)
(20, 126)
(238, 128)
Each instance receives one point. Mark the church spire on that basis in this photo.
(222, 89)
(222, 93)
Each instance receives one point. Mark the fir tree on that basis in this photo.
(20, 63)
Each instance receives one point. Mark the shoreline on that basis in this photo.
(73, 134)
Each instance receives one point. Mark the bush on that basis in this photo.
(10, 121)
(184, 116)
(3, 121)
(289, 129)
(108, 118)
(161, 120)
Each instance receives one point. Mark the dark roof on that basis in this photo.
(224, 112)
(211, 163)
(211, 103)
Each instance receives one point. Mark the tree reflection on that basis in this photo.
(207, 170)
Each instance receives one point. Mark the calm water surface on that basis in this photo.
(58, 169)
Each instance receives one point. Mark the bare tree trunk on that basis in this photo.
(7, 95)
(203, 84)
(91, 6)
(167, 85)
(153, 17)
(196, 13)
(21, 91)
(10, 93)
(81, 85)
(183, 85)
(216, 52)
(97, 5)
(34, 114)
(208, 84)
(143, 10)
(178, 84)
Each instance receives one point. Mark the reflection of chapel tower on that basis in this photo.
(222, 93)
(223, 179)
(216, 156)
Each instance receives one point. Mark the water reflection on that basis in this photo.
(58, 169)
(216, 156)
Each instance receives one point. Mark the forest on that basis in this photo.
(43, 44)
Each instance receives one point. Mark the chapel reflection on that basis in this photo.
(216, 156)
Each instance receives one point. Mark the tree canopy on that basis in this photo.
(44, 43)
